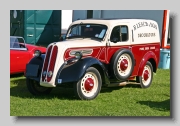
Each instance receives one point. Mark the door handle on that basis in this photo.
(30, 35)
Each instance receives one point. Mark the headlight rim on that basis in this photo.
(37, 53)
(78, 55)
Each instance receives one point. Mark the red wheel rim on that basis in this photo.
(89, 84)
(123, 64)
(146, 75)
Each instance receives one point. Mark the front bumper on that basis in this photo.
(33, 72)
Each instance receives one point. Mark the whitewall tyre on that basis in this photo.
(147, 76)
(89, 86)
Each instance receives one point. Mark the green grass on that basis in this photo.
(130, 100)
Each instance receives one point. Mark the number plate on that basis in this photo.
(32, 70)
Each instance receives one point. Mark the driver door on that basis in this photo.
(118, 38)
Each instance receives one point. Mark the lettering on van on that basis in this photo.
(148, 48)
(144, 24)
(146, 35)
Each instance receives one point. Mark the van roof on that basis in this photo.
(110, 21)
(116, 19)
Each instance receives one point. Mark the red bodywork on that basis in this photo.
(19, 58)
(142, 53)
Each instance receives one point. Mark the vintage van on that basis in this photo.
(96, 53)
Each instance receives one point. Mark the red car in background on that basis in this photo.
(21, 53)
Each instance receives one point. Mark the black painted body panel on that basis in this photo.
(74, 72)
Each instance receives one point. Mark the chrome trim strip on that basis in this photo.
(20, 49)
(45, 80)
(84, 52)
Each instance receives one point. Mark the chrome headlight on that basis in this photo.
(37, 53)
(78, 55)
(49, 74)
(44, 73)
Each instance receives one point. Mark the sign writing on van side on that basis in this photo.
(146, 35)
(144, 24)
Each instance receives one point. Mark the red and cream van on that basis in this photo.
(96, 53)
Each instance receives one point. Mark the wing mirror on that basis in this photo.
(62, 38)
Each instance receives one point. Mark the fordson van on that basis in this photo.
(96, 53)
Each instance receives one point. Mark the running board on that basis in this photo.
(121, 84)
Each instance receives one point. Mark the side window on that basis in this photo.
(17, 43)
(11, 43)
(115, 34)
(21, 43)
(124, 33)
(119, 34)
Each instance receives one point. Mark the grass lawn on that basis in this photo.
(130, 100)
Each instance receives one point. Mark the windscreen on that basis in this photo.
(97, 31)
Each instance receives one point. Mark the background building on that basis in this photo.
(39, 27)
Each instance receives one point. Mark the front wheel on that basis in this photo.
(89, 86)
(147, 76)
(35, 88)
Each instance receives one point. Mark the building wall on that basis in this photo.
(66, 17)
(16, 23)
(79, 14)
(38, 27)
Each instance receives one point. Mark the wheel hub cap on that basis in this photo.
(146, 75)
(124, 64)
(89, 84)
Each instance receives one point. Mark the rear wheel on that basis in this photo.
(35, 88)
(89, 86)
(147, 76)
